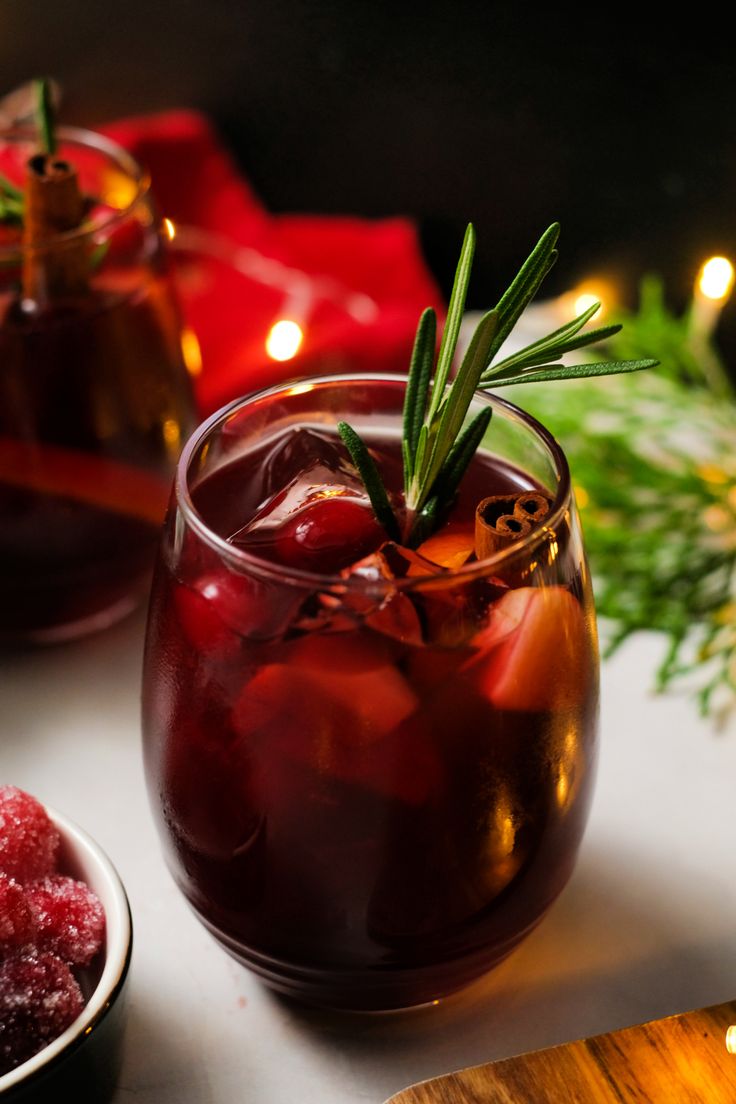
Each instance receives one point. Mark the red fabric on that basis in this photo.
(197, 184)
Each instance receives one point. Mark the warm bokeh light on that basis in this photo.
(191, 351)
(171, 431)
(118, 189)
(731, 1039)
(169, 228)
(716, 278)
(284, 339)
(593, 289)
(581, 496)
(585, 300)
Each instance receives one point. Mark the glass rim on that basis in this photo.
(239, 558)
(90, 139)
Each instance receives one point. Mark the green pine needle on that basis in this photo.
(371, 477)
(45, 116)
(451, 330)
(417, 389)
(548, 372)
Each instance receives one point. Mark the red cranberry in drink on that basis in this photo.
(328, 534)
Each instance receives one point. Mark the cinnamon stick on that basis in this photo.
(53, 205)
(532, 505)
(500, 520)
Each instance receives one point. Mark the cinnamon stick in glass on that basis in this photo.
(500, 520)
(53, 205)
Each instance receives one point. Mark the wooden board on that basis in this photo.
(679, 1060)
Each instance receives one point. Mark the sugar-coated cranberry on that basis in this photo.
(28, 839)
(39, 998)
(17, 923)
(328, 534)
(69, 917)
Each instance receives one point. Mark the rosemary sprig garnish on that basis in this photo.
(11, 201)
(45, 116)
(11, 196)
(437, 447)
(371, 477)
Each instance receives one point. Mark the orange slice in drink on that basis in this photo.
(536, 652)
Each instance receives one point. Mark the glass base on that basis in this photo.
(84, 626)
(390, 989)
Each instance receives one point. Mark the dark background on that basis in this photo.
(492, 112)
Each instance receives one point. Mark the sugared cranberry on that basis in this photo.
(28, 839)
(39, 998)
(69, 917)
(328, 534)
(17, 923)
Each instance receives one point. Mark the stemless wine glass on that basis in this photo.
(95, 398)
(368, 788)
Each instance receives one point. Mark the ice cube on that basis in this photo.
(303, 463)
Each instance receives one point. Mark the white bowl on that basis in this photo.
(84, 1060)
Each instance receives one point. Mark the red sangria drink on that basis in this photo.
(95, 398)
(370, 759)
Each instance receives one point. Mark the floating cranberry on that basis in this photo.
(28, 839)
(328, 534)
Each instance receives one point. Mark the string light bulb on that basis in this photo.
(191, 351)
(584, 301)
(712, 288)
(284, 339)
(731, 1039)
(715, 278)
(594, 289)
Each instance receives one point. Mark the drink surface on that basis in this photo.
(369, 791)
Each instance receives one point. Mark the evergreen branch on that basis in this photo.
(659, 520)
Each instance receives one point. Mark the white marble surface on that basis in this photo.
(645, 928)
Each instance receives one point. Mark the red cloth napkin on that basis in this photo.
(366, 280)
